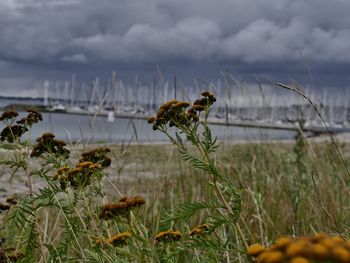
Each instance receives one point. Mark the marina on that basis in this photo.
(237, 106)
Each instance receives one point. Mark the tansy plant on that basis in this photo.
(186, 126)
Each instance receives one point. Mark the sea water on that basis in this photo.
(73, 127)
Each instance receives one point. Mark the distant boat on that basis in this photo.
(58, 108)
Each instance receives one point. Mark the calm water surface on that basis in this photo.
(75, 127)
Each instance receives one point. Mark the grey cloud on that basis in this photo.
(155, 31)
(77, 58)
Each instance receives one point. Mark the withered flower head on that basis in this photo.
(161, 112)
(11, 200)
(11, 132)
(210, 96)
(4, 207)
(8, 115)
(197, 102)
(118, 239)
(95, 166)
(192, 116)
(168, 236)
(63, 170)
(76, 177)
(122, 207)
(198, 108)
(97, 156)
(200, 230)
(47, 144)
(59, 142)
(206, 94)
(32, 117)
(173, 112)
(182, 104)
(35, 115)
(84, 164)
(151, 120)
(167, 105)
(45, 136)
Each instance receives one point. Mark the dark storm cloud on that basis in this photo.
(155, 31)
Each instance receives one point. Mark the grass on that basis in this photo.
(275, 194)
(291, 189)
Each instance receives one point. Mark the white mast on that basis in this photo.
(46, 92)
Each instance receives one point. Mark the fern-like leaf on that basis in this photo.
(21, 213)
(184, 211)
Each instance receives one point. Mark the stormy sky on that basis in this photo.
(307, 41)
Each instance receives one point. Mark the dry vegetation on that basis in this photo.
(190, 201)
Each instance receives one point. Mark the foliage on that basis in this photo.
(189, 210)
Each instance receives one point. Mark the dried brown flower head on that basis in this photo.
(182, 104)
(45, 136)
(151, 119)
(4, 207)
(12, 132)
(47, 144)
(8, 115)
(200, 230)
(11, 200)
(81, 176)
(168, 104)
(173, 112)
(196, 108)
(32, 117)
(168, 236)
(118, 239)
(97, 156)
(122, 207)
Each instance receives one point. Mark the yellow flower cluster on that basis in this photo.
(79, 176)
(122, 207)
(173, 112)
(118, 239)
(168, 236)
(319, 248)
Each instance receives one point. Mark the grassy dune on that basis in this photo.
(195, 200)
